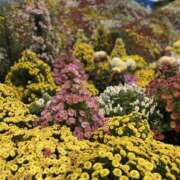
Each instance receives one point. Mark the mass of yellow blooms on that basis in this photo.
(30, 74)
(144, 77)
(54, 153)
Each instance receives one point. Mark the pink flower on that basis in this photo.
(78, 132)
(71, 112)
(71, 121)
(82, 113)
(85, 125)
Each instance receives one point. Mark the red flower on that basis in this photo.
(47, 152)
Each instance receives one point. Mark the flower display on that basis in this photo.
(68, 68)
(126, 158)
(129, 78)
(140, 61)
(61, 155)
(168, 66)
(36, 90)
(119, 49)
(174, 49)
(100, 56)
(35, 29)
(166, 91)
(134, 124)
(73, 106)
(89, 90)
(39, 105)
(30, 74)
(101, 74)
(14, 113)
(124, 99)
(52, 156)
(8, 91)
(85, 53)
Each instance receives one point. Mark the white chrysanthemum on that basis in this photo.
(131, 64)
(124, 99)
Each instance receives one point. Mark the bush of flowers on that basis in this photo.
(128, 158)
(75, 107)
(67, 68)
(39, 153)
(54, 153)
(144, 77)
(124, 99)
(100, 109)
(119, 49)
(8, 91)
(85, 53)
(166, 89)
(101, 74)
(35, 28)
(139, 60)
(36, 90)
(37, 106)
(174, 49)
(30, 74)
(13, 112)
(134, 124)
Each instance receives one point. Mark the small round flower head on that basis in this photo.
(118, 65)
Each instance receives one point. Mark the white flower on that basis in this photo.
(136, 108)
(100, 56)
(131, 64)
(118, 65)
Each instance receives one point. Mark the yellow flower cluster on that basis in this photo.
(91, 88)
(54, 153)
(119, 49)
(144, 77)
(85, 53)
(123, 149)
(49, 152)
(8, 91)
(134, 124)
(175, 49)
(140, 62)
(36, 90)
(128, 158)
(13, 112)
(28, 73)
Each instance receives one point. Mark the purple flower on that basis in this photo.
(129, 79)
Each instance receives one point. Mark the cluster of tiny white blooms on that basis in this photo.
(123, 99)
